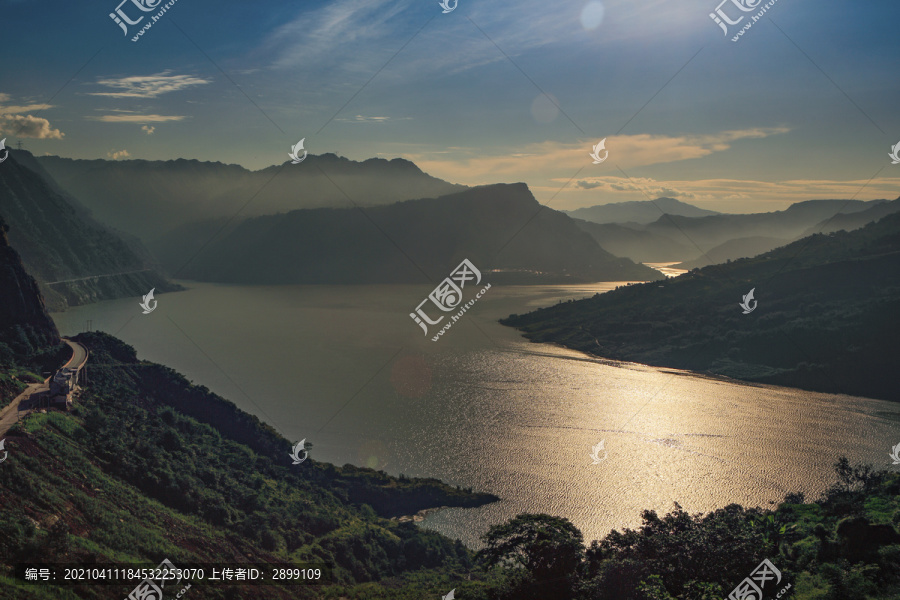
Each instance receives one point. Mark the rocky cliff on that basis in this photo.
(75, 259)
(25, 326)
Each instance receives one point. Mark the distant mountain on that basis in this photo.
(734, 249)
(75, 259)
(855, 220)
(638, 245)
(789, 224)
(164, 195)
(644, 211)
(500, 228)
(722, 237)
(826, 317)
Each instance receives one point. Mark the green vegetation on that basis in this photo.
(17, 372)
(826, 318)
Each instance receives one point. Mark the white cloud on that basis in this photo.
(364, 119)
(134, 118)
(29, 127)
(24, 108)
(12, 122)
(148, 129)
(148, 86)
(117, 154)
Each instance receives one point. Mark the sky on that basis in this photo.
(805, 105)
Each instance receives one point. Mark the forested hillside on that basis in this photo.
(826, 318)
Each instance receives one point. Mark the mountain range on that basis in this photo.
(333, 220)
(76, 259)
(500, 228)
(704, 240)
(149, 199)
(641, 212)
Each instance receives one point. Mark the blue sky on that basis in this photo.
(805, 105)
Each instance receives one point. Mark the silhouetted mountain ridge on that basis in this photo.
(165, 195)
(642, 211)
(500, 227)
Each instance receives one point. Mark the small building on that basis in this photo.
(62, 385)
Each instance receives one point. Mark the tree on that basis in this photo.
(546, 547)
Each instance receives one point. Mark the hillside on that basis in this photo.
(734, 249)
(164, 195)
(500, 228)
(855, 220)
(638, 245)
(29, 341)
(60, 242)
(149, 466)
(825, 321)
(643, 211)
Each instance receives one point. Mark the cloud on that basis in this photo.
(148, 86)
(588, 185)
(14, 110)
(333, 32)
(364, 119)
(29, 127)
(128, 118)
(549, 159)
(148, 129)
(116, 155)
(646, 186)
(12, 122)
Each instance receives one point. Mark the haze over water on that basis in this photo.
(485, 408)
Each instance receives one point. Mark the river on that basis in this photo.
(347, 369)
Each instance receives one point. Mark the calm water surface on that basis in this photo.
(347, 369)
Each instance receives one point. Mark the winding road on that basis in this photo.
(25, 401)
